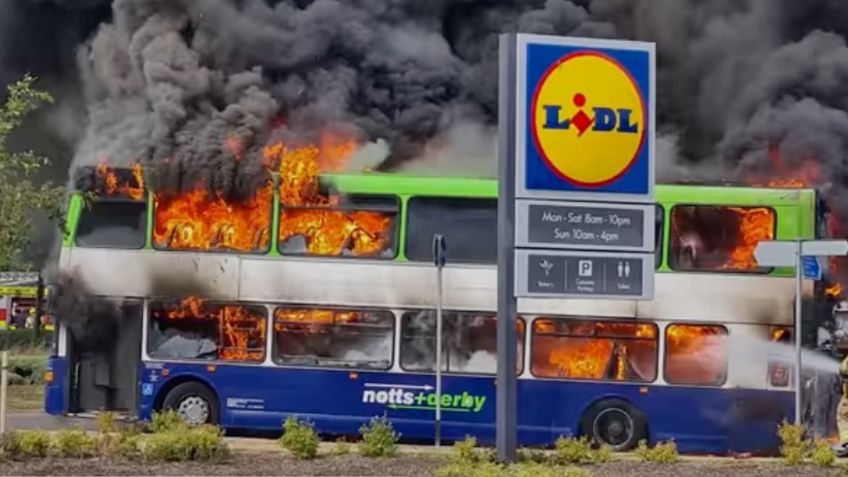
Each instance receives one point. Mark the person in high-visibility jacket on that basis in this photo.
(842, 408)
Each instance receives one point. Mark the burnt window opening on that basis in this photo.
(780, 362)
(197, 220)
(105, 182)
(718, 238)
(595, 350)
(696, 354)
(112, 224)
(338, 338)
(191, 329)
(357, 226)
(470, 227)
(469, 342)
(659, 220)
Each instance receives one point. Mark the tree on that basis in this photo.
(20, 197)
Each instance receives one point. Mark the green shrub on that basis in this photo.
(32, 443)
(341, 448)
(24, 340)
(821, 454)
(202, 443)
(466, 450)
(570, 450)
(662, 453)
(793, 446)
(470, 469)
(167, 420)
(378, 439)
(299, 438)
(74, 443)
(9, 444)
(528, 454)
(127, 444)
(105, 422)
(27, 369)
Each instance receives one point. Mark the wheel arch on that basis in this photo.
(159, 401)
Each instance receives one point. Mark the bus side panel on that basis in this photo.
(700, 420)
(54, 391)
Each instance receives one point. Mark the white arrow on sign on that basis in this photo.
(783, 253)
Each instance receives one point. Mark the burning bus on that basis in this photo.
(314, 297)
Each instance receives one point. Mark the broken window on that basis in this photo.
(708, 237)
(598, 350)
(696, 354)
(201, 220)
(470, 227)
(357, 226)
(113, 224)
(193, 329)
(469, 342)
(334, 337)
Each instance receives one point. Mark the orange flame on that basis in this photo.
(112, 185)
(193, 221)
(239, 329)
(312, 319)
(588, 348)
(755, 225)
(834, 291)
(312, 215)
(695, 354)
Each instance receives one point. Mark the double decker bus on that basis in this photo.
(324, 309)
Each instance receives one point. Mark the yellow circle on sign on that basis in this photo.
(588, 119)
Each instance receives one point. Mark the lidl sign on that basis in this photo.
(585, 115)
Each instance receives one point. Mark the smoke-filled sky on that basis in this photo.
(170, 80)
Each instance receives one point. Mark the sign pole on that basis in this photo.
(440, 258)
(505, 383)
(799, 271)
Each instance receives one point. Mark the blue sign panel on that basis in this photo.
(585, 119)
(812, 269)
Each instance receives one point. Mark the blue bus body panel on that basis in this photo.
(701, 420)
(54, 392)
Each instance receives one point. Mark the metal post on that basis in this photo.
(439, 259)
(4, 389)
(799, 272)
(505, 430)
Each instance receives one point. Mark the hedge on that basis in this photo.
(27, 369)
(17, 339)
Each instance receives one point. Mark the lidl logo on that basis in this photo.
(588, 119)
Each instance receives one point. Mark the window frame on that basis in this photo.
(159, 248)
(408, 235)
(275, 345)
(594, 334)
(122, 200)
(672, 262)
(217, 359)
(519, 356)
(394, 227)
(659, 240)
(726, 369)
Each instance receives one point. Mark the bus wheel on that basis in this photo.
(193, 402)
(615, 423)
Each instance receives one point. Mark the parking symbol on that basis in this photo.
(584, 268)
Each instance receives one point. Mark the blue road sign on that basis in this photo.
(812, 269)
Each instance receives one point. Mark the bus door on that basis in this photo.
(105, 355)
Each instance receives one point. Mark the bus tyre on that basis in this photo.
(193, 402)
(615, 423)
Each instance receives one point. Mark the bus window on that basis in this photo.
(469, 342)
(115, 224)
(361, 226)
(696, 354)
(470, 227)
(708, 237)
(598, 350)
(198, 220)
(333, 337)
(192, 329)
(779, 367)
(658, 236)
